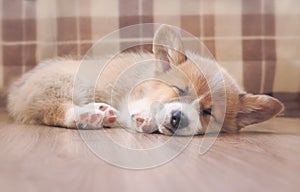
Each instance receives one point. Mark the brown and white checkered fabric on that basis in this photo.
(258, 41)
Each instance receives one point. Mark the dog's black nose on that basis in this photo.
(178, 120)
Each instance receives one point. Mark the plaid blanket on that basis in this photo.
(258, 41)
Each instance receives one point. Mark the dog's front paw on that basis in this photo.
(96, 115)
(143, 122)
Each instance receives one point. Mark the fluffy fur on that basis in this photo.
(180, 99)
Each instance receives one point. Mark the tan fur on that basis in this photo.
(183, 81)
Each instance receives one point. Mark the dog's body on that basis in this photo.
(182, 98)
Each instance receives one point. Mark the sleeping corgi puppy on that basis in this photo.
(177, 92)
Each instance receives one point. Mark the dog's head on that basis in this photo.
(197, 92)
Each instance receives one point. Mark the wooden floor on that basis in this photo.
(264, 157)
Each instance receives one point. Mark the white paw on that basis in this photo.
(95, 115)
(143, 122)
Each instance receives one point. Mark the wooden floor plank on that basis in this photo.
(264, 157)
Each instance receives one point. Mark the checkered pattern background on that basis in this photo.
(258, 41)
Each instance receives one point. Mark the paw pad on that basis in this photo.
(111, 112)
(95, 117)
(102, 108)
(111, 119)
(140, 121)
(84, 116)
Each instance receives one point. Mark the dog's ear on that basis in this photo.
(257, 108)
(168, 47)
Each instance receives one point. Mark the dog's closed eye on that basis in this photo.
(181, 92)
(206, 111)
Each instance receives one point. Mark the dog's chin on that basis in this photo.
(165, 130)
(169, 131)
(147, 129)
